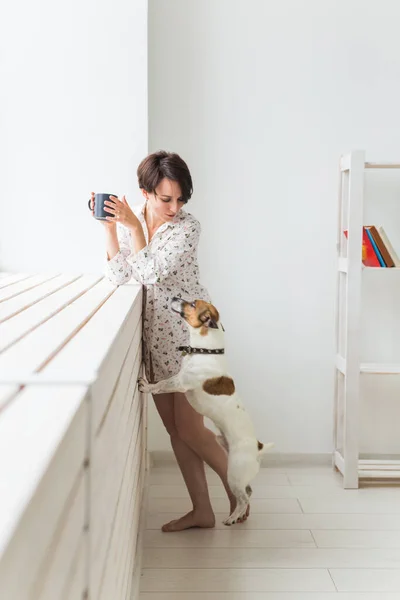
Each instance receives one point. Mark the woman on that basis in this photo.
(156, 244)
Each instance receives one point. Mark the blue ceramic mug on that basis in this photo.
(99, 212)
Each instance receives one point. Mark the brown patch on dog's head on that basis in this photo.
(219, 386)
(200, 314)
(260, 446)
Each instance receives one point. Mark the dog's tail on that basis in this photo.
(262, 448)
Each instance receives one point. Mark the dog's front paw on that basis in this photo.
(144, 386)
(239, 515)
(229, 521)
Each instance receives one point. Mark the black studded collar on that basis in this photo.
(189, 350)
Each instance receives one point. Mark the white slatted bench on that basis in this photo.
(73, 455)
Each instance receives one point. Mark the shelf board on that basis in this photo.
(383, 465)
(371, 165)
(371, 469)
(370, 368)
(343, 266)
(381, 268)
(345, 164)
(380, 368)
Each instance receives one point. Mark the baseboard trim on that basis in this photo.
(162, 458)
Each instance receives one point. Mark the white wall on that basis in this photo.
(73, 118)
(261, 98)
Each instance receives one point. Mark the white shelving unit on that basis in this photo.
(348, 329)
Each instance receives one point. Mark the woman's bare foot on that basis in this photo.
(192, 519)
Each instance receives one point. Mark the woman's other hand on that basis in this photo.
(120, 212)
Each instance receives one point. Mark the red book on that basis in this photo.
(369, 257)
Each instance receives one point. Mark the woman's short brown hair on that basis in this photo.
(162, 164)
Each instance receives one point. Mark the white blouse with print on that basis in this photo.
(166, 267)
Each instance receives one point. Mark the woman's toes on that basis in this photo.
(192, 519)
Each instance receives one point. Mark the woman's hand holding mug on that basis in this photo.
(111, 210)
(97, 208)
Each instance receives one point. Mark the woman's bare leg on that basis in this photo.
(192, 468)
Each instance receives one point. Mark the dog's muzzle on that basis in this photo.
(177, 306)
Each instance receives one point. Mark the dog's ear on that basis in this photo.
(212, 324)
(208, 320)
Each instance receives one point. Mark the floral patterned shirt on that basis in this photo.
(166, 267)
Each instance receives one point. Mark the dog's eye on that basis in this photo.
(193, 304)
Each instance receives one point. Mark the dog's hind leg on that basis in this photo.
(242, 501)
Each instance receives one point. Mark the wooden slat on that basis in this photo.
(16, 327)
(108, 459)
(98, 351)
(43, 414)
(109, 374)
(43, 433)
(65, 368)
(76, 582)
(7, 393)
(137, 572)
(19, 361)
(112, 576)
(143, 487)
(21, 302)
(133, 567)
(10, 278)
(121, 312)
(22, 286)
(103, 532)
(125, 400)
(65, 546)
(117, 576)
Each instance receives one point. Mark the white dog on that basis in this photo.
(210, 390)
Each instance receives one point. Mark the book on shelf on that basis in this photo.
(379, 246)
(389, 247)
(375, 246)
(377, 251)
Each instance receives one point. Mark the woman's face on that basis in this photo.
(167, 201)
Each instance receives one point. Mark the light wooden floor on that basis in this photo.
(307, 539)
